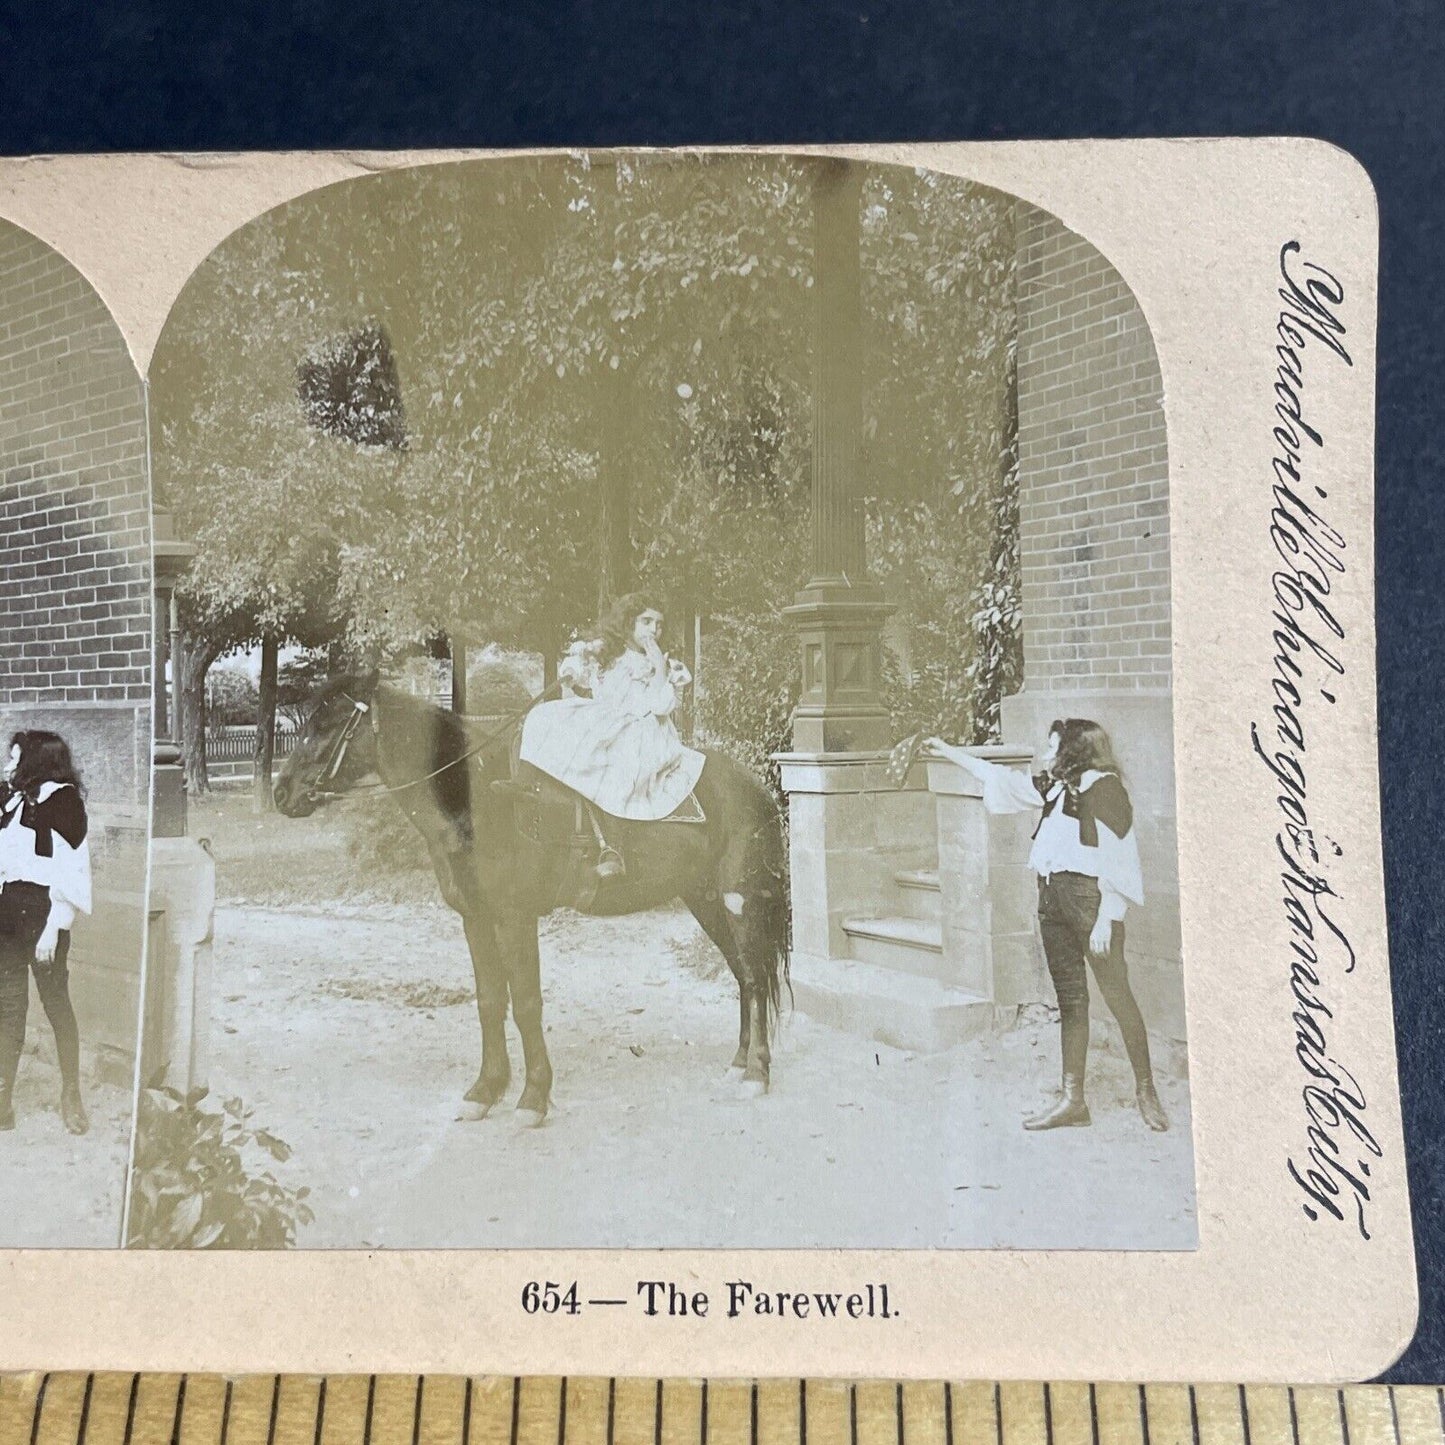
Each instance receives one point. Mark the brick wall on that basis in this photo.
(75, 589)
(74, 499)
(1094, 508)
(1094, 557)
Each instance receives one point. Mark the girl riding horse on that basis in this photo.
(613, 740)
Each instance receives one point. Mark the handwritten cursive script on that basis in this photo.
(1333, 1165)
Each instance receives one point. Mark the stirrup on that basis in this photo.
(609, 863)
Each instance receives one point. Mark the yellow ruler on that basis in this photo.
(114, 1409)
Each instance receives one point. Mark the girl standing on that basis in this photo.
(1086, 857)
(44, 880)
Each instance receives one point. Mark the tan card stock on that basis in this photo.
(757, 762)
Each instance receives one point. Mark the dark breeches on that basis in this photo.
(23, 911)
(1068, 907)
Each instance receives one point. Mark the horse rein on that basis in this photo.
(360, 709)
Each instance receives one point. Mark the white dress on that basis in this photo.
(619, 748)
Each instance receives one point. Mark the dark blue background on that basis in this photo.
(1367, 76)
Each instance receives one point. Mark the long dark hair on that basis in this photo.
(1083, 745)
(619, 621)
(44, 758)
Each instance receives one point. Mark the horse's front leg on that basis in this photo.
(491, 979)
(518, 936)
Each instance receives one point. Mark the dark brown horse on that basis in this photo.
(509, 845)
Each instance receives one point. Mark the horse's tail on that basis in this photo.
(771, 898)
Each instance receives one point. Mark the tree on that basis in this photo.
(298, 679)
(472, 401)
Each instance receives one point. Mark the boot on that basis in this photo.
(1071, 1112)
(1150, 1109)
(72, 1109)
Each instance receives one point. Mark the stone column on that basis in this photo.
(176, 1026)
(172, 557)
(839, 614)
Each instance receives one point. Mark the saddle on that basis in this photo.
(553, 816)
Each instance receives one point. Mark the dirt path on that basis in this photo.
(57, 1190)
(353, 1034)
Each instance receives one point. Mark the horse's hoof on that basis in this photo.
(752, 1088)
(735, 1072)
(531, 1118)
(472, 1111)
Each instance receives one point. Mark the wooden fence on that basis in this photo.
(238, 744)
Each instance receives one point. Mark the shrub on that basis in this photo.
(499, 685)
(381, 841)
(196, 1184)
(750, 673)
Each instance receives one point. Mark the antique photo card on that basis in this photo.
(75, 714)
(760, 756)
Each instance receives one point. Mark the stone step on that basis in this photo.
(920, 891)
(912, 945)
(883, 1004)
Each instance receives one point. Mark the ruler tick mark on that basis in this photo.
(175, 1419)
(129, 1409)
(320, 1410)
(84, 1424)
(40, 1409)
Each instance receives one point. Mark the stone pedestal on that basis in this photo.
(840, 629)
(989, 896)
(178, 963)
(850, 831)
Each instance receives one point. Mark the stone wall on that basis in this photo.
(1094, 553)
(75, 598)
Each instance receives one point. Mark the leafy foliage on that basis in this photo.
(560, 341)
(231, 697)
(196, 1183)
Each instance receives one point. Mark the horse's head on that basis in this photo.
(336, 748)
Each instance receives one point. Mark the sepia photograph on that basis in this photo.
(665, 736)
(75, 728)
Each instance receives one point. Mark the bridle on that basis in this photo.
(318, 792)
(332, 766)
